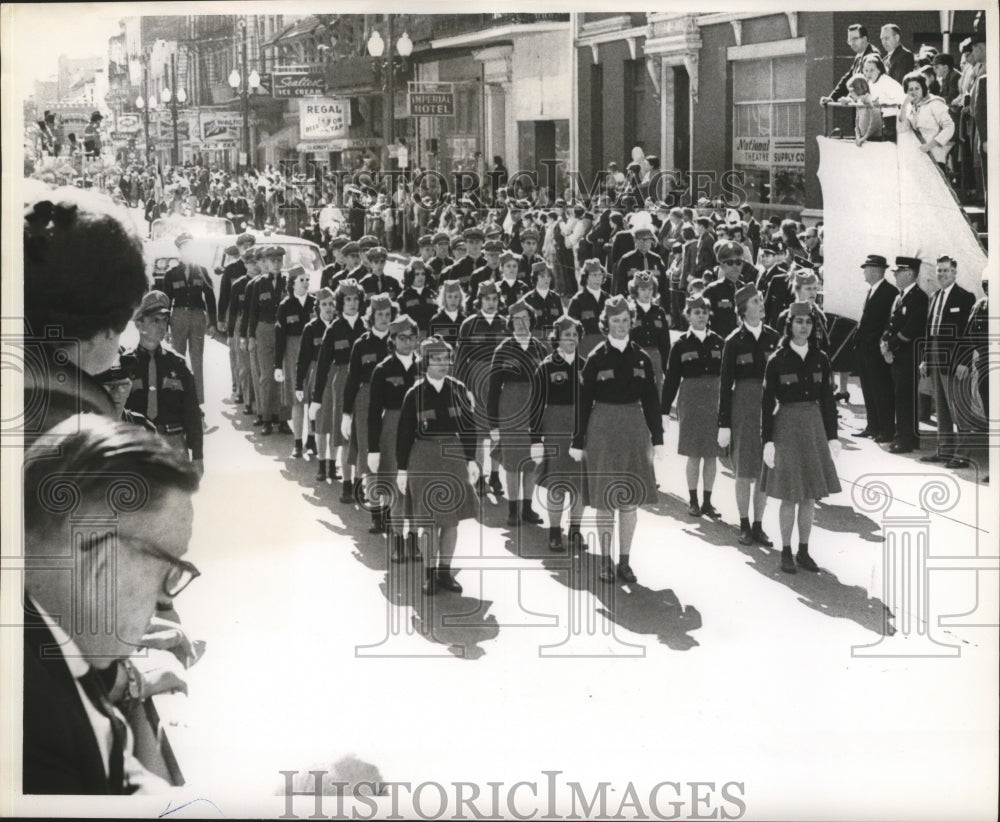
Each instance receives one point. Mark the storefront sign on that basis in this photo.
(298, 85)
(223, 125)
(129, 122)
(166, 129)
(431, 100)
(323, 119)
(767, 152)
(345, 144)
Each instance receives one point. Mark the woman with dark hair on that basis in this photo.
(418, 300)
(555, 415)
(588, 303)
(449, 317)
(508, 406)
(433, 443)
(543, 300)
(744, 357)
(331, 371)
(370, 349)
(319, 444)
(693, 378)
(799, 432)
(391, 379)
(617, 400)
(927, 115)
(886, 93)
(294, 312)
(651, 331)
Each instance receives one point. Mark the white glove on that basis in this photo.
(314, 409)
(373, 462)
(769, 455)
(835, 448)
(299, 396)
(537, 451)
(279, 375)
(659, 452)
(345, 426)
(401, 482)
(725, 437)
(665, 421)
(473, 468)
(495, 435)
(576, 454)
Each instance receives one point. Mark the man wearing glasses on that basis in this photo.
(721, 294)
(107, 519)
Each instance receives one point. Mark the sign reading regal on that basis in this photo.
(324, 118)
(287, 84)
(431, 99)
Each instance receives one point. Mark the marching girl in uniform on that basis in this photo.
(305, 378)
(391, 379)
(651, 331)
(555, 416)
(543, 300)
(510, 286)
(370, 349)
(805, 288)
(588, 303)
(509, 408)
(478, 338)
(293, 313)
(744, 356)
(331, 369)
(800, 437)
(418, 300)
(434, 446)
(449, 318)
(617, 401)
(693, 379)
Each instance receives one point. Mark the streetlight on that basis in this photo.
(244, 89)
(377, 48)
(173, 100)
(144, 106)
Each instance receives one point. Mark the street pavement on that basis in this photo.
(715, 666)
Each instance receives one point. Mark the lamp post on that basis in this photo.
(376, 48)
(173, 99)
(143, 103)
(244, 84)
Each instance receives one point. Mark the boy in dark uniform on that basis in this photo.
(378, 282)
(330, 272)
(263, 296)
(463, 267)
(721, 294)
(529, 254)
(441, 259)
(237, 313)
(492, 249)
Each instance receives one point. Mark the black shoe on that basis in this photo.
(556, 544)
(297, 451)
(882, 439)
(257, 423)
(430, 584)
(413, 540)
(448, 582)
(495, 486)
(513, 519)
(347, 492)
(957, 462)
(787, 562)
(248, 410)
(530, 515)
(708, 510)
(331, 472)
(694, 510)
(266, 429)
(760, 537)
(900, 448)
(321, 473)
(804, 561)
(608, 571)
(311, 444)
(866, 434)
(746, 536)
(625, 573)
(935, 458)
(397, 555)
(284, 428)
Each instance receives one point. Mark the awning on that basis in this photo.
(282, 138)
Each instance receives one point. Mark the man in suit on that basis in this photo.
(874, 371)
(857, 39)
(752, 229)
(907, 324)
(81, 620)
(899, 60)
(947, 321)
(705, 254)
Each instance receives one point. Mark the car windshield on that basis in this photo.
(193, 226)
(304, 254)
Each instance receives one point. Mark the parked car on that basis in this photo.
(298, 251)
(160, 251)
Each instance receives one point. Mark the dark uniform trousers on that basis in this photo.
(191, 296)
(907, 321)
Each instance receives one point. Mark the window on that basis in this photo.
(769, 128)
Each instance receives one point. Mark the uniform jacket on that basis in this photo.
(230, 274)
(511, 363)
(188, 286)
(447, 328)
(462, 270)
(690, 358)
(722, 296)
(312, 336)
(744, 357)
(429, 414)
(547, 309)
(559, 383)
(264, 294)
(477, 339)
(789, 378)
(384, 284)
(291, 320)
(510, 292)
(820, 333)
(652, 330)
(420, 306)
(335, 349)
(586, 309)
(389, 383)
(367, 352)
(634, 261)
(237, 314)
(907, 320)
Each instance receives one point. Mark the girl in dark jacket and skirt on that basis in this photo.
(293, 314)
(418, 300)
(693, 378)
(800, 437)
(588, 303)
(744, 356)
(555, 417)
(509, 408)
(651, 331)
(435, 456)
(543, 300)
(617, 400)
(305, 378)
(449, 317)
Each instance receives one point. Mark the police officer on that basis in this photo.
(907, 325)
(192, 302)
(378, 282)
(721, 294)
(263, 297)
(641, 258)
(163, 388)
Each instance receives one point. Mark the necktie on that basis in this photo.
(93, 687)
(938, 311)
(152, 401)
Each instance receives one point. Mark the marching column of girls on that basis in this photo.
(293, 313)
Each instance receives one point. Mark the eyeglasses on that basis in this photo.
(181, 574)
(732, 262)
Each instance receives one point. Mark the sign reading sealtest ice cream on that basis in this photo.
(322, 118)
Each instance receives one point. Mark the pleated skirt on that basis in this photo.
(515, 426)
(288, 363)
(803, 468)
(438, 483)
(619, 457)
(558, 472)
(746, 448)
(697, 417)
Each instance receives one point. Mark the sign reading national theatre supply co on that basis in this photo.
(767, 152)
(297, 84)
(322, 118)
(426, 99)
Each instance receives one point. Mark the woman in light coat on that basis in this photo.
(926, 114)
